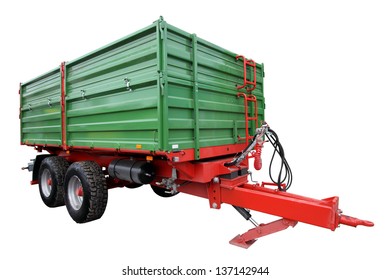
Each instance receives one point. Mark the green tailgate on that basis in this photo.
(158, 89)
(40, 110)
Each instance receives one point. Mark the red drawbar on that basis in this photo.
(354, 222)
(319, 212)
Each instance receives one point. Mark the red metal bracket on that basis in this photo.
(250, 63)
(246, 239)
(214, 194)
(63, 111)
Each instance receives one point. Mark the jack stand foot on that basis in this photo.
(246, 239)
(240, 242)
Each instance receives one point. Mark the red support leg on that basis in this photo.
(246, 239)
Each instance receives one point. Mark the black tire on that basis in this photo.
(51, 180)
(162, 192)
(87, 202)
(133, 186)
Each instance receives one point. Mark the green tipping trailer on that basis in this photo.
(158, 89)
(164, 108)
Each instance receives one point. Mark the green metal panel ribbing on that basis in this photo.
(112, 95)
(260, 97)
(196, 94)
(163, 132)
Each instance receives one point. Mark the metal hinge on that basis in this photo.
(162, 78)
(162, 26)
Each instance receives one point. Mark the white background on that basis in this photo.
(327, 92)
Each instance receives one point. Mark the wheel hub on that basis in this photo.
(79, 191)
(75, 192)
(46, 183)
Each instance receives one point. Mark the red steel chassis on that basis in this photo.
(210, 179)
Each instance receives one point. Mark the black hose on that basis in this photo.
(233, 162)
(285, 170)
(237, 157)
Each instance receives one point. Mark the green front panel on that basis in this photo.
(112, 95)
(203, 106)
(40, 113)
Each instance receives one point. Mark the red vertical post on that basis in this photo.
(63, 108)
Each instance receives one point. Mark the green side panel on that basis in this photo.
(40, 112)
(203, 107)
(112, 95)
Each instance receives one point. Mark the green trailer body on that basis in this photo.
(158, 89)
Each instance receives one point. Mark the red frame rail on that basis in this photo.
(63, 108)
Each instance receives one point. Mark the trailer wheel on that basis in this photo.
(133, 186)
(51, 180)
(162, 192)
(85, 191)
